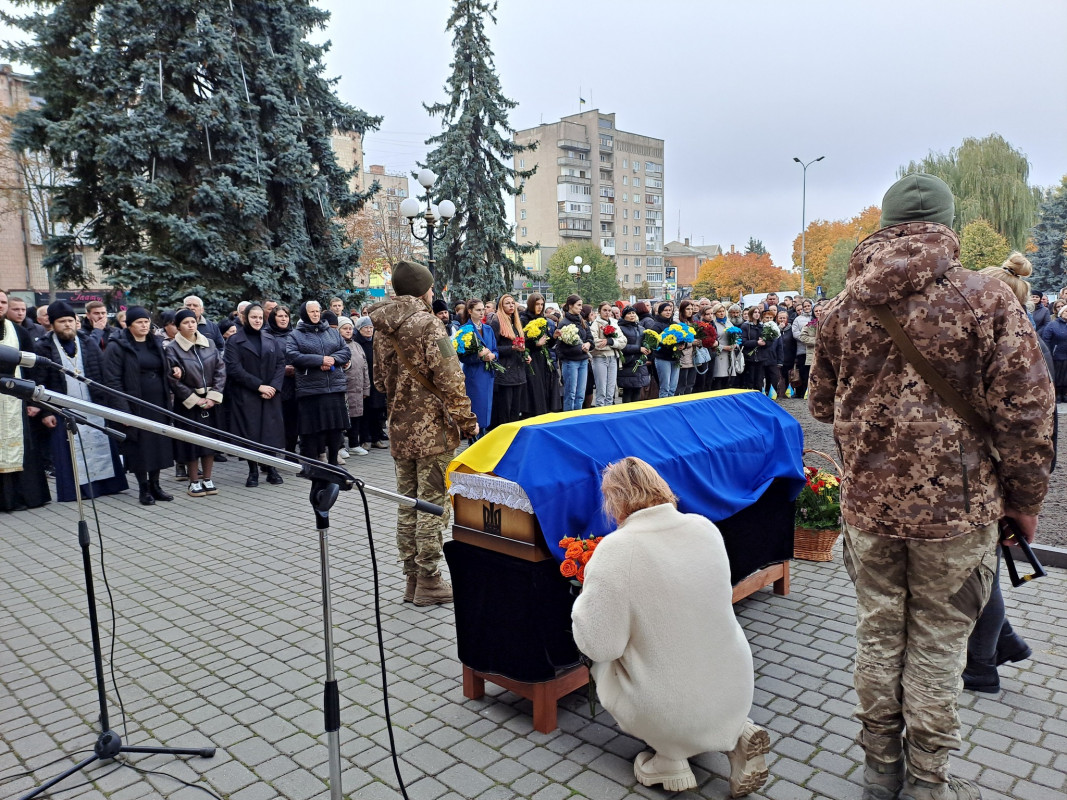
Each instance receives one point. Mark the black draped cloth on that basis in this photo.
(28, 487)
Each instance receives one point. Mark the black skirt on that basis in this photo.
(184, 452)
(1059, 375)
(323, 412)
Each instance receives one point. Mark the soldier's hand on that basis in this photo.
(1024, 524)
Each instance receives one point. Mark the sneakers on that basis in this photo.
(955, 789)
(361, 451)
(181, 472)
(196, 489)
(748, 767)
(380, 445)
(209, 487)
(432, 591)
(409, 591)
(676, 776)
(882, 781)
(342, 453)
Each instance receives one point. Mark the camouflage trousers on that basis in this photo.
(418, 535)
(916, 604)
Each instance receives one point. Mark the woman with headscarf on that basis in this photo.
(255, 372)
(197, 378)
(633, 376)
(543, 387)
(279, 325)
(357, 384)
(372, 422)
(509, 387)
(135, 363)
(319, 355)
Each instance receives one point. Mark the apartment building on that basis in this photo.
(594, 183)
(687, 259)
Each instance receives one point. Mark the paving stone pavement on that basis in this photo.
(219, 640)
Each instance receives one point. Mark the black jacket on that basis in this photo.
(306, 347)
(511, 360)
(573, 352)
(629, 378)
(212, 332)
(246, 370)
(92, 362)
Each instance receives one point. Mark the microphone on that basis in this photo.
(11, 358)
(18, 387)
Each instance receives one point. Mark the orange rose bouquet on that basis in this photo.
(577, 552)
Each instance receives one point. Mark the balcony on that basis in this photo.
(607, 246)
(574, 180)
(565, 161)
(575, 215)
(572, 144)
(568, 233)
(607, 145)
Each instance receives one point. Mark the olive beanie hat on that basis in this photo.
(918, 197)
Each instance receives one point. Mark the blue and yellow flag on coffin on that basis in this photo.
(718, 451)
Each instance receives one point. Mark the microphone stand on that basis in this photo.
(108, 743)
(326, 483)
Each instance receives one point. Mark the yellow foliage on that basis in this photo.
(731, 274)
(823, 235)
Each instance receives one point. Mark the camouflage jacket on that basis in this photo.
(420, 424)
(912, 467)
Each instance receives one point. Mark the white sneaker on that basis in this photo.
(342, 453)
(361, 451)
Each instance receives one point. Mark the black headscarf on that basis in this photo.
(272, 322)
(305, 318)
(249, 330)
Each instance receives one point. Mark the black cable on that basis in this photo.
(25, 773)
(203, 789)
(89, 780)
(381, 640)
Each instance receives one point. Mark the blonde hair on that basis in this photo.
(630, 485)
(1012, 273)
(510, 327)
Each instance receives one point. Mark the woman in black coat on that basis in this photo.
(1055, 336)
(255, 372)
(544, 391)
(509, 386)
(279, 325)
(372, 423)
(135, 363)
(632, 378)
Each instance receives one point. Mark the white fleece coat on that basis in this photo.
(671, 662)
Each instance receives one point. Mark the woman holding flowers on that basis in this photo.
(509, 390)
(573, 343)
(608, 343)
(770, 355)
(543, 386)
(633, 374)
(666, 355)
(671, 662)
(720, 365)
(687, 374)
(478, 345)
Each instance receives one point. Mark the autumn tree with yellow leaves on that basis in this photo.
(822, 235)
(731, 274)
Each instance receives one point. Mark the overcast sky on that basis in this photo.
(736, 89)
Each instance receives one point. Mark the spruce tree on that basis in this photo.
(472, 158)
(1050, 239)
(197, 138)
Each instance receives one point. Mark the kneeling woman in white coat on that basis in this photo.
(671, 663)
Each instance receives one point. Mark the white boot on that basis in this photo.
(748, 767)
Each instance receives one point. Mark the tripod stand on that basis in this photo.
(108, 743)
(326, 483)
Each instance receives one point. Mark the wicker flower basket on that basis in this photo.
(816, 544)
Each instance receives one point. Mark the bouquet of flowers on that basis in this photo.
(465, 340)
(819, 502)
(577, 553)
(568, 334)
(676, 334)
(518, 344)
(707, 335)
(770, 332)
(733, 334)
(610, 332)
(649, 341)
(534, 330)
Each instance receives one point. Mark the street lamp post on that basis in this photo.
(435, 212)
(804, 217)
(577, 270)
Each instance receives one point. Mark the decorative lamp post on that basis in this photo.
(577, 270)
(434, 213)
(804, 217)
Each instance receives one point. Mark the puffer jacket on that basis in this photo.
(573, 352)
(420, 424)
(357, 380)
(305, 348)
(616, 343)
(913, 469)
(203, 372)
(1055, 336)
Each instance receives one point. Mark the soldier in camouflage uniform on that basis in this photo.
(921, 498)
(424, 426)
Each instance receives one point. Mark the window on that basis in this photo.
(654, 199)
(637, 213)
(625, 164)
(637, 181)
(522, 163)
(625, 197)
(637, 166)
(522, 197)
(654, 277)
(606, 140)
(626, 213)
(626, 262)
(625, 230)
(637, 230)
(637, 247)
(656, 261)
(604, 123)
(625, 246)
(605, 176)
(653, 183)
(625, 278)
(625, 181)
(522, 214)
(607, 208)
(523, 231)
(637, 262)
(575, 225)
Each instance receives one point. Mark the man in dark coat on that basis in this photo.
(203, 324)
(99, 469)
(22, 479)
